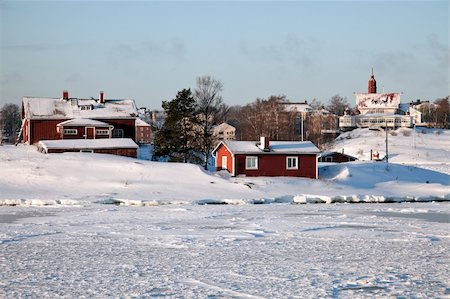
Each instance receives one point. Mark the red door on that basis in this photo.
(90, 133)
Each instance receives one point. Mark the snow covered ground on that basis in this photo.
(238, 251)
(89, 225)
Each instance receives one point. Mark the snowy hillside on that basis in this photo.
(31, 178)
(428, 148)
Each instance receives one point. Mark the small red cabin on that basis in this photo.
(336, 157)
(268, 158)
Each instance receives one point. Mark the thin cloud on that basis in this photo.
(293, 51)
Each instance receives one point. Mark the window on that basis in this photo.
(70, 131)
(102, 132)
(86, 107)
(118, 133)
(291, 162)
(251, 162)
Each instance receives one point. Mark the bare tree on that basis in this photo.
(209, 100)
(337, 105)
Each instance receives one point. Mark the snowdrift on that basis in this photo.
(28, 177)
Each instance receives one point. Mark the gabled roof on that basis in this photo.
(223, 126)
(106, 143)
(82, 122)
(276, 147)
(58, 108)
(141, 123)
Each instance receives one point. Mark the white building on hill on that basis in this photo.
(378, 110)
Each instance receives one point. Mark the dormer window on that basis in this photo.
(86, 107)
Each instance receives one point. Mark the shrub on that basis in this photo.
(393, 133)
(406, 133)
(423, 131)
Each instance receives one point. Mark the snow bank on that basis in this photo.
(38, 202)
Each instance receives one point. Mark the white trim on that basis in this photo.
(247, 158)
(226, 162)
(233, 165)
(296, 163)
(70, 132)
(317, 168)
(102, 132)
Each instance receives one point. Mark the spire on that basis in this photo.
(372, 84)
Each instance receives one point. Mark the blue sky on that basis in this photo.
(147, 50)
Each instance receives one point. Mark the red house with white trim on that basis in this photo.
(73, 124)
(67, 117)
(268, 158)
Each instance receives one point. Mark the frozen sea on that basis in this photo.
(222, 251)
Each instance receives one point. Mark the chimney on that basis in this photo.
(65, 95)
(101, 97)
(264, 143)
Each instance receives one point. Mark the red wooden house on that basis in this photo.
(268, 158)
(64, 118)
(336, 157)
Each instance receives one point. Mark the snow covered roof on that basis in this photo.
(104, 143)
(139, 122)
(276, 147)
(297, 107)
(58, 108)
(326, 154)
(82, 122)
(223, 126)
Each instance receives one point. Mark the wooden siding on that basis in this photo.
(44, 130)
(337, 158)
(127, 125)
(275, 165)
(223, 151)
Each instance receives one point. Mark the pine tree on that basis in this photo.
(177, 138)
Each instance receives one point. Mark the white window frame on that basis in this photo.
(102, 132)
(294, 158)
(251, 158)
(70, 131)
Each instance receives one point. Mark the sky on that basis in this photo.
(150, 50)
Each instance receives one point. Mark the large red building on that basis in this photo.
(43, 116)
(268, 158)
(73, 118)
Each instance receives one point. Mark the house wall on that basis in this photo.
(143, 134)
(337, 158)
(127, 125)
(275, 165)
(126, 152)
(223, 151)
(44, 130)
(81, 130)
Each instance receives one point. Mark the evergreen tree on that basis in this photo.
(177, 139)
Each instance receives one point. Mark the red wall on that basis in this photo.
(147, 134)
(222, 150)
(44, 130)
(275, 165)
(128, 126)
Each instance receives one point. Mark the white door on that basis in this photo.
(224, 162)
